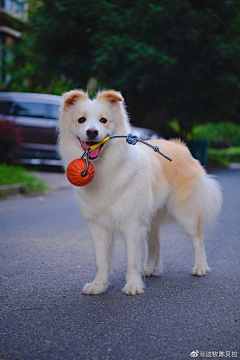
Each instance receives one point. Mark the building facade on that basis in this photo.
(12, 17)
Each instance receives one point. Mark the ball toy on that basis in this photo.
(75, 170)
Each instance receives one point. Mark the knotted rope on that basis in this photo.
(130, 139)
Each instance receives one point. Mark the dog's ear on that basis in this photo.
(112, 96)
(70, 97)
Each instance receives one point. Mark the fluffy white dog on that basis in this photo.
(134, 189)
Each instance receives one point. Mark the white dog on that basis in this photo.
(134, 189)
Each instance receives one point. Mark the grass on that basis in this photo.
(10, 175)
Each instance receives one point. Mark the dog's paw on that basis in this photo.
(157, 272)
(152, 271)
(148, 270)
(200, 270)
(133, 288)
(94, 288)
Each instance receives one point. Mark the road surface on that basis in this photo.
(47, 257)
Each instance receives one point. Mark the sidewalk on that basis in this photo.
(53, 180)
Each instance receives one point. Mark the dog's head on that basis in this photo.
(90, 121)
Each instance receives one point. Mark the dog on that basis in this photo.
(134, 189)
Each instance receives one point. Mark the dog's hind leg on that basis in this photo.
(102, 240)
(153, 264)
(192, 226)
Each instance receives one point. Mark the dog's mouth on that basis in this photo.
(86, 145)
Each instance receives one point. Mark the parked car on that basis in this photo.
(37, 115)
(145, 134)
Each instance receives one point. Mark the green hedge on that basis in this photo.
(217, 132)
(215, 160)
(231, 154)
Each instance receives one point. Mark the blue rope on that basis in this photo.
(133, 139)
(130, 139)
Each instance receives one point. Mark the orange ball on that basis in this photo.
(74, 172)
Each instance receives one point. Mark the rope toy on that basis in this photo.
(80, 172)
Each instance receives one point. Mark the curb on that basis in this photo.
(6, 190)
(15, 189)
(234, 166)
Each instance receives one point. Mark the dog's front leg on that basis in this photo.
(102, 240)
(134, 237)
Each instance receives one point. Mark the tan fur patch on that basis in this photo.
(199, 228)
(111, 96)
(183, 170)
(71, 97)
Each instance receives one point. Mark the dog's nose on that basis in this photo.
(92, 133)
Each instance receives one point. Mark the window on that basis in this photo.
(5, 107)
(13, 5)
(54, 111)
(30, 109)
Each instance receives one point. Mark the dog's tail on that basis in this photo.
(209, 198)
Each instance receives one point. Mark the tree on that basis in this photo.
(172, 59)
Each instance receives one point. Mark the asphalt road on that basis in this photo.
(47, 256)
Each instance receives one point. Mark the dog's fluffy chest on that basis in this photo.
(113, 201)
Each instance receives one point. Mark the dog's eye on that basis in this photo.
(103, 120)
(81, 120)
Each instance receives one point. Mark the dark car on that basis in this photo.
(37, 115)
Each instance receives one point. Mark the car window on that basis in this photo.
(5, 107)
(29, 109)
(54, 111)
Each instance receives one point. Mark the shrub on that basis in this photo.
(216, 160)
(220, 135)
(231, 155)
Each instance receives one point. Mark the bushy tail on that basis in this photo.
(211, 198)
